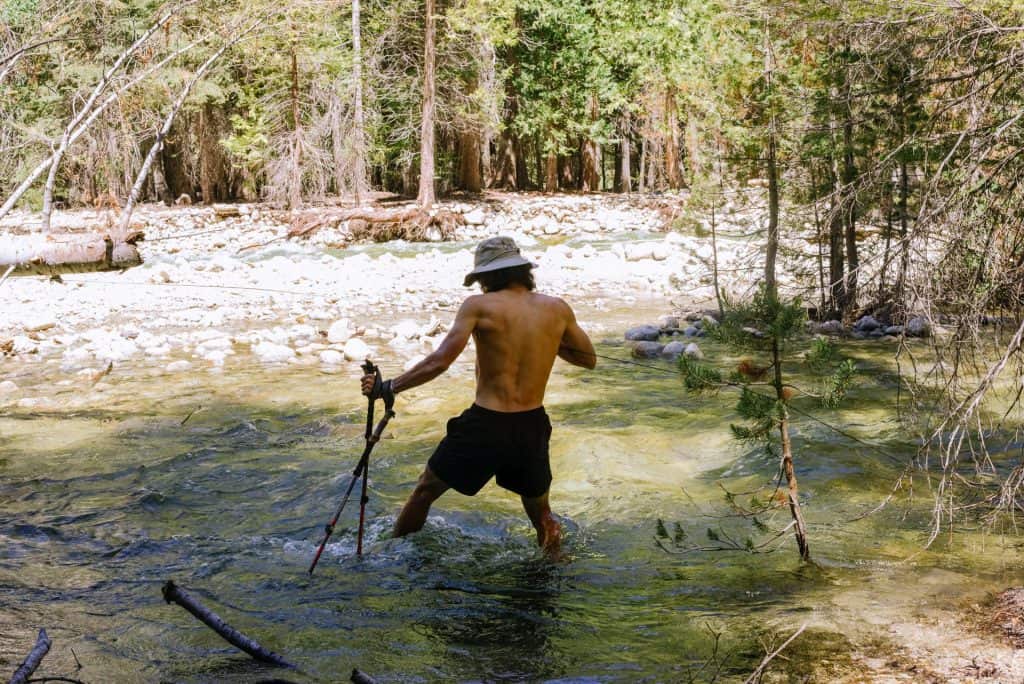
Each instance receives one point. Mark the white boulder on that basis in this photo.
(339, 332)
(269, 352)
(332, 357)
(356, 350)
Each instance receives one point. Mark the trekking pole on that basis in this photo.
(372, 437)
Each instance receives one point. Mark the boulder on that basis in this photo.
(332, 357)
(668, 322)
(918, 326)
(866, 324)
(339, 332)
(269, 352)
(356, 350)
(647, 350)
(474, 217)
(645, 333)
(894, 330)
(693, 351)
(7, 386)
(691, 331)
(39, 323)
(673, 350)
(406, 330)
(830, 328)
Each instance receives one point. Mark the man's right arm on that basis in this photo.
(575, 347)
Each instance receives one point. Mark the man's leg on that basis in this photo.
(428, 489)
(549, 532)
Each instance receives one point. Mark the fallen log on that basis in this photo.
(362, 678)
(175, 594)
(50, 254)
(380, 225)
(31, 662)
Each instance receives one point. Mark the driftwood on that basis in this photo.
(51, 254)
(174, 594)
(380, 225)
(33, 659)
(362, 678)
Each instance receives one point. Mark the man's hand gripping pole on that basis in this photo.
(381, 390)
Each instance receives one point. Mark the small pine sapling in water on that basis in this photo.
(767, 328)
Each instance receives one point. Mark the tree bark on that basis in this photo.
(625, 181)
(591, 155)
(850, 207)
(359, 182)
(793, 493)
(295, 167)
(175, 594)
(54, 254)
(32, 660)
(673, 169)
(469, 161)
(773, 216)
(551, 172)
(426, 194)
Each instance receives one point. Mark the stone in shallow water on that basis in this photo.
(331, 357)
(647, 350)
(693, 351)
(673, 350)
(339, 331)
(356, 350)
(648, 333)
(268, 352)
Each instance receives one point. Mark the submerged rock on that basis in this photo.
(919, 326)
(647, 350)
(268, 352)
(673, 350)
(647, 333)
(693, 351)
(332, 357)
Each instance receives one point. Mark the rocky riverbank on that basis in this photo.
(223, 286)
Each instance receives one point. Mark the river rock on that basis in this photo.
(691, 331)
(693, 351)
(269, 352)
(866, 324)
(406, 330)
(474, 217)
(332, 357)
(668, 323)
(639, 251)
(894, 330)
(178, 366)
(673, 350)
(647, 350)
(339, 332)
(918, 326)
(8, 386)
(646, 333)
(24, 345)
(830, 327)
(356, 350)
(39, 323)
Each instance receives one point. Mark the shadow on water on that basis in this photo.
(231, 503)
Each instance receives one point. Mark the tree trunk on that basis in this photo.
(426, 194)
(469, 162)
(850, 209)
(673, 169)
(295, 167)
(625, 181)
(642, 176)
(54, 253)
(566, 173)
(359, 185)
(773, 216)
(693, 147)
(28, 666)
(591, 154)
(175, 594)
(793, 494)
(551, 172)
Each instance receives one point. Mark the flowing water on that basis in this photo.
(106, 500)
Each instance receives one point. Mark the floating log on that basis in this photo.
(50, 254)
(362, 678)
(35, 656)
(175, 594)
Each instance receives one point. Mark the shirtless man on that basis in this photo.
(505, 433)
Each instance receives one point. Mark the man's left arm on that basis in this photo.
(438, 361)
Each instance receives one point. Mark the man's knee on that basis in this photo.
(429, 488)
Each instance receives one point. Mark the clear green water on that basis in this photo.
(106, 499)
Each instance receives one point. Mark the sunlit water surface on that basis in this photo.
(105, 501)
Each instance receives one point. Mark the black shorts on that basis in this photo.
(481, 444)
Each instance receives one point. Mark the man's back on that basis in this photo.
(518, 334)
